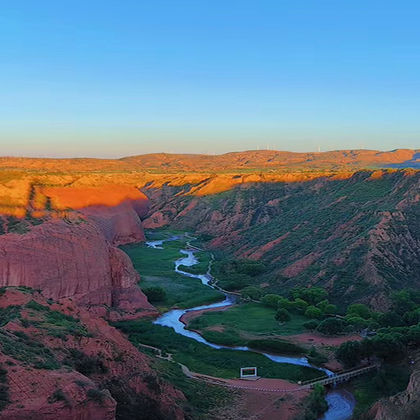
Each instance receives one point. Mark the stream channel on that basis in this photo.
(340, 402)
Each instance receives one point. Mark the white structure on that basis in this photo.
(249, 373)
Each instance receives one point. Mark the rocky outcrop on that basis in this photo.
(75, 257)
(403, 406)
(80, 368)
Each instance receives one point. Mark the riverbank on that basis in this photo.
(215, 360)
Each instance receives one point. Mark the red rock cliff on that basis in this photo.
(76, 258)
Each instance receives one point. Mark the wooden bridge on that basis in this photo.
(339, 377)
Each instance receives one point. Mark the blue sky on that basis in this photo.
(114, 78)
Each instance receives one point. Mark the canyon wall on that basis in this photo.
(357, 234)
(74, 254)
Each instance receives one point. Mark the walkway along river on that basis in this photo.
(340, 403)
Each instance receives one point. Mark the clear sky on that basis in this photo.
(114, 78)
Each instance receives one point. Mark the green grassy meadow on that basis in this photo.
(249, 319)
(156, 268)
(204, 359)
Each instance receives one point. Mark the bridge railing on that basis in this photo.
(339, 377)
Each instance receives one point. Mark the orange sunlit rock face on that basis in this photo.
(76, 198)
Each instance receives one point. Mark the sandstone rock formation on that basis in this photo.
(75, 257)
(60, 362)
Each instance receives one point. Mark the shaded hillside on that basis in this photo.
(359, 237)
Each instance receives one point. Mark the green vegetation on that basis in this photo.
(202, 398)
(222, 363)
(331, 326)
(282, 315)
(86, 365)
(276, 346)
(389, 380)
(53, 322)
(155, 294)
(156, 267)
(390, 344)
(249, 320)
(328, 220)
(251, 293)
(58, 395)
(21, 347)
(236, 274)
(315, 403)
(96, 395)
(4, 389)
(9, 313)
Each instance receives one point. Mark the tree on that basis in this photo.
(311, 325)
(312, 295)
(390, 319)
(350, 353)
(271, 300)
(402, 301)
(412, 317)
(330, 309)
(251, 292)
(331, 326)
(155, 294)
(284, 303)
(299, 305)
(316, 403)
(360, 310)
(282, 315)
(357, 322)
(313, 312)
(388, 346)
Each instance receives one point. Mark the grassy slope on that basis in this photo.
(333, 220)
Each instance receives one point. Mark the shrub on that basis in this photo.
(315, 403)
(357, 322)
(58, 395)
(85, 364)
(390, 319)
(271, 300)
(284, 303)
(313, 312)
(350, 353)
(331, 326)
(155, 294)
(315, 357)
(360, 310)
(96, 395)
(312, 295)
(311, 325)
(282, 315)
(251, 292)
(299, 305)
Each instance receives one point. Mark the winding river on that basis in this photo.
(340, 403)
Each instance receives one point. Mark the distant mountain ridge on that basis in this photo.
(247, 160)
